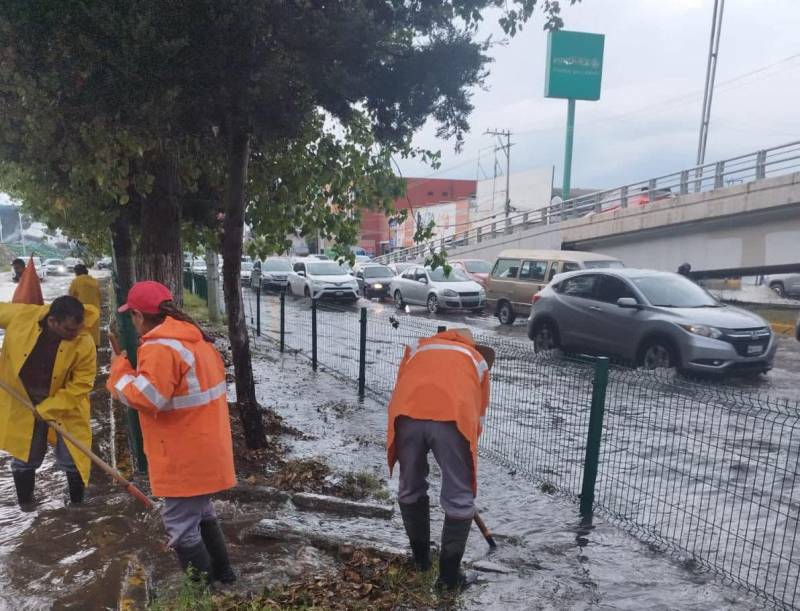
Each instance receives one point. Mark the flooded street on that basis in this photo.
(110, 553)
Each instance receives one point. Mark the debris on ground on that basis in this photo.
(363, 582)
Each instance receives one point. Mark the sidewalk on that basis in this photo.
(552, 561)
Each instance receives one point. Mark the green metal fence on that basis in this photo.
(700, 470)
(197, 284)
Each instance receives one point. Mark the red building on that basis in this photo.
(376, 235)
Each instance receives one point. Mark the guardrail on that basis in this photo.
(760, 164)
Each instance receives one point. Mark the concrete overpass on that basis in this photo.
(734, 217)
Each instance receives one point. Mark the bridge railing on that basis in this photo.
(759, 164)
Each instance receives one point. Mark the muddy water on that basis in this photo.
(555, 562)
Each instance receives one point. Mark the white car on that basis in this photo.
(322, 280)
(437, 291)
(71, 262)
(55, 267)
(785, 285)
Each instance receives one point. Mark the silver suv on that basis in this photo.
(655, 319)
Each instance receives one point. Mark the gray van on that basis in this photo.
(518, 275)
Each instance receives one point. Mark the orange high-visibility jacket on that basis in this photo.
(180, 393)
(442, 378)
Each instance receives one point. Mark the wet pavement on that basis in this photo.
(555, 561)
(83, 558)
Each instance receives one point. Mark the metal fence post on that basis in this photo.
(623, 197)
(684, 182)
(595, 434)
(130, 343)
(258, 311)
(362, 354)
(761, 164)
(719, 175)
(283, 320)
(313, 333)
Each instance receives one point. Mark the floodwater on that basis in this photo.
(706, 470)
(110, 550)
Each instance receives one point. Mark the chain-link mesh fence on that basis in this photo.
(703, 471)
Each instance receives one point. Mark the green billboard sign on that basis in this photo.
(574, 65)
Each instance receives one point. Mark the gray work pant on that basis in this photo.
(182, 517)
(413, 439)
(39, 449)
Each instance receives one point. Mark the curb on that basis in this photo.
(783, 328)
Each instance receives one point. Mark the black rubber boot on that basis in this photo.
(214, 541)
(454, 541)
(24, 481)
(75, 487)
(195, 557)
(417, 521)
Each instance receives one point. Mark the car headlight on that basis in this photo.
(449, 293)
(703, 330)
(377, 285)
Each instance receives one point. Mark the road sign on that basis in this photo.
(574, 65)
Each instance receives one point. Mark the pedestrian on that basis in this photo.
(17, 267)
(685, 270)
(438, 404)
(180, 392)
(48, 355)
(86, 290)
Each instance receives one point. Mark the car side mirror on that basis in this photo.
(301, 274)
(423, 280)
(629, 303)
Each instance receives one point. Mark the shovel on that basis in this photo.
(116, 475)
(487, 534)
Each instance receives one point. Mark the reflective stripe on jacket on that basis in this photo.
(73, 378)
(180, 392)
(442, 378)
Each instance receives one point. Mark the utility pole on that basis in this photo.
(711, 73)
(506, 148)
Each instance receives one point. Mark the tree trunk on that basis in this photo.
(123, 252)
(212, 271)
(238, 158)
(159, 254)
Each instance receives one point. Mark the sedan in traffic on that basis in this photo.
(374, 280)
(437, 290)
(55, 267)
(655, 319)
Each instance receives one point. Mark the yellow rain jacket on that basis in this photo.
(73, 377)
(86, 290)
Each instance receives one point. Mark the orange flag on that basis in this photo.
(29, 290)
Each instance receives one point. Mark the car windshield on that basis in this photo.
(377, 272)
(276, 265)
(247, 265)
(602, 264)
(673, 291)
(326, 268)
(478, 267)
(438, 275)
(55, 262)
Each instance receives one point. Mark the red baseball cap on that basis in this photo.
(145, 297)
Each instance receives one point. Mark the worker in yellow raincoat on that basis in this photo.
(48, 356)
(86, 290)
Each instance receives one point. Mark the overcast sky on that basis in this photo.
(647, 120)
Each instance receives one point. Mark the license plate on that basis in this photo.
(755, 349)
(339, 293)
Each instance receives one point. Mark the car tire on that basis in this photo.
(433, 303)
(545, 337)
(779, 289)
(505, 313)
(398, 300)
(657, 353)
(289, 291)
(306, 292)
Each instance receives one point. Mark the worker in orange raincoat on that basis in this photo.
(438, 404)
(86, 290)
(180, 392)
(49, 357)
